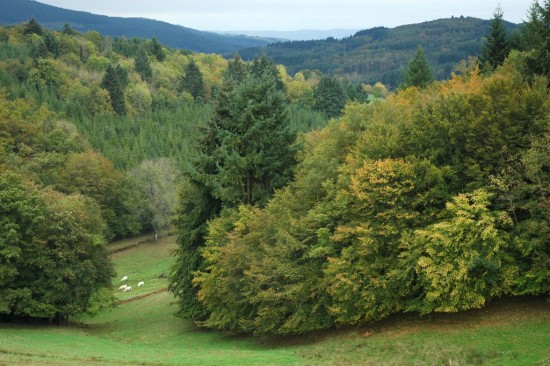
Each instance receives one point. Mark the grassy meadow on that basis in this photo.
(141, 330)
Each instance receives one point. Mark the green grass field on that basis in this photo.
(143, 331)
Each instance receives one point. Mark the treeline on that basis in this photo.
(435, 200)
(380, 54)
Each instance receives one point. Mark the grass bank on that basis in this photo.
(142, 331)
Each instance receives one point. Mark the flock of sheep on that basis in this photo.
(127, 288)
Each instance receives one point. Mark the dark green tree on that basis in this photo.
(115, 80)
(329, 96)
(68, 30)
(155, 48)
(244, 155)
(252, 136)
(52, 255)
(32, 27)
(497, 45)
(143, 65)
(52, 44)
(192, 81)
(418, 72)
(536, 38)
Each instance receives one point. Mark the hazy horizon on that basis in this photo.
(285, 15)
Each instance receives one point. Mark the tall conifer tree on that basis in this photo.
(418, 72)
(497, 45)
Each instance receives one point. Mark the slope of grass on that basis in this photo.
(143, 331)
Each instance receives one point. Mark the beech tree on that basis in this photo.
(52, 254)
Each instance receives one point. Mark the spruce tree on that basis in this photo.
(244, 155)
(329, 96)
(418, 72)
(156, 50)
(32, 27)
(192, 81)
(115, 80)
(143, 65)
(536, 38)
(497, 45)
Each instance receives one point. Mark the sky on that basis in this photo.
(286, 15)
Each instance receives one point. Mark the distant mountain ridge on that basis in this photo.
(298, 35)
(18, 11)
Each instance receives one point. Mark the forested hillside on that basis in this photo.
(381, 54)
(95, 133)
(14, 12)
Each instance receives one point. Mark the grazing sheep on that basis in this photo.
(128, 288)
(125, 278)
(122, 287)
(141, 283)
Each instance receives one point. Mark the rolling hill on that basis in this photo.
(381, 54)
(13, 12)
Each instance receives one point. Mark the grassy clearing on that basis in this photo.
(149, 261)
(144, 332)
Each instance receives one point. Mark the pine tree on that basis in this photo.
(418, 72)
(497, 45)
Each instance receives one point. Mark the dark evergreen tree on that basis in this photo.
(244, 155)
(236, 70)
(536, 37)
(52, 44)
(32, 27)
(497, 45)
(68, 30)
(329, 96)
(418, 72)
(155, 48)
(115, 80)
(143, 65)
(192, 81)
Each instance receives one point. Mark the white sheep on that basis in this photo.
(128, 288)
(141, 283)
(125, 278)
(122, 287)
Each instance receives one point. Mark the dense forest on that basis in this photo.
(95, 134)
(301, 201)
(380, 54)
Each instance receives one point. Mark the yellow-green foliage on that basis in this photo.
(432, 200)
